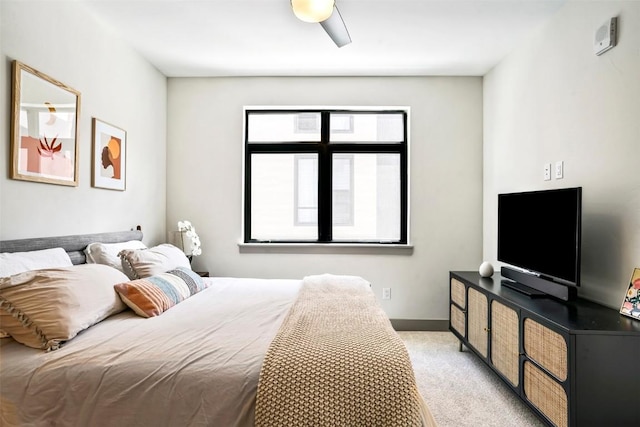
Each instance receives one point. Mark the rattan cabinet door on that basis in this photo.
(505, 338)
(458, 306)
(458, 293)
(457, 319)
(478, 323)
(546, 347)
(546, 395)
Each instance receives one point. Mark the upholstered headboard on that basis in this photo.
(74, 245)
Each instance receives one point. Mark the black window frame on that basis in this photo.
(325, 150)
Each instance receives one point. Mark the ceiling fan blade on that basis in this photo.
(335, 27)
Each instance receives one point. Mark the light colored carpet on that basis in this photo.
(459, 388)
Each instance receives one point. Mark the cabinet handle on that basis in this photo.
(487, 329)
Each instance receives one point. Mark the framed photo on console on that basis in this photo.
(631, 303)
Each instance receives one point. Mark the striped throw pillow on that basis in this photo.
(152, 296)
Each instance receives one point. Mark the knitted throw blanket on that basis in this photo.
(336, 361)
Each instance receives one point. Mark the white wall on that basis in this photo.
(204, 180)
(554, 99)
(63, 40)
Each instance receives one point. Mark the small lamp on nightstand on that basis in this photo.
(187, 239)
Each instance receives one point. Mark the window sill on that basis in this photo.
(326, 248)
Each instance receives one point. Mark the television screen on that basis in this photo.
(539, 231)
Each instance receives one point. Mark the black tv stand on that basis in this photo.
(574, 363)
(540, 284)
(523, 289)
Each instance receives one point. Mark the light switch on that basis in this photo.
(559, 169)
(547, 171)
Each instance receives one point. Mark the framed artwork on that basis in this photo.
(44, 128)
(631, 302)
(109, 156)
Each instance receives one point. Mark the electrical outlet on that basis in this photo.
(547, 171)
(559, 169)
(386, 293)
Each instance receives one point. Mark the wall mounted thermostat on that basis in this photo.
(605, 37)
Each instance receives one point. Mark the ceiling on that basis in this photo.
(188, 38)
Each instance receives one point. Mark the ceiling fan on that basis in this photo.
(326, 13)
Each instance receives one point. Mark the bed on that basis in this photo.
(239, 352)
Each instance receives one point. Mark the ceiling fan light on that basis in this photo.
(312, 10)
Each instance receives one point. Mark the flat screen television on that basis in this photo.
(540, 233)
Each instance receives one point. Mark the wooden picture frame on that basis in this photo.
(631, 302)
(109, 154)
(44, 128)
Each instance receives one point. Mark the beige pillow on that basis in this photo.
(44, 308)
(19, 262)
(107, 253)
(141, 263)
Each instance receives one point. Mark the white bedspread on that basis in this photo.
(196, 364)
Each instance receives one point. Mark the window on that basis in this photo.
(325, 176)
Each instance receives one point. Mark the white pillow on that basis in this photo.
(107, 253)
(19, 262)
(141, 263)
